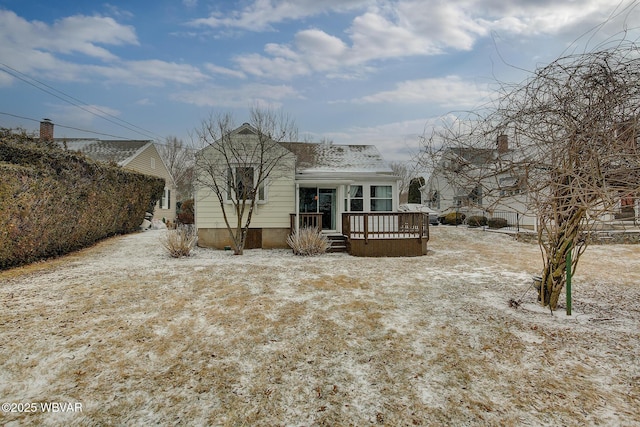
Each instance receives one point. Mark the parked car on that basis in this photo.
(416, 207)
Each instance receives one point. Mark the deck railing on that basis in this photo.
(307, 219)
(387, 225)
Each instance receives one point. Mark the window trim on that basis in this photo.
(262, 188)
(165, 200)
(372, 198)
(349, 199)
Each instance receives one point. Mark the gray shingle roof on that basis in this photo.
(117, 151)
(323, 157)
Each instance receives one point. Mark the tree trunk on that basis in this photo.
(238, 243)
(553, 279)
(555, 269)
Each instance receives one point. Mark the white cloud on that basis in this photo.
(154, 70)
(74, 34)
(215, 69)
(277, 67)
(398, 141)
(32, 46)
(321, 50)
(405, 28)
(261, 14)
(117, 11)
(86, 116)
(218, 96)
(445, 24)
(448, 91)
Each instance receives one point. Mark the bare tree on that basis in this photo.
(236, 166)
(573, 157)
(180, 160)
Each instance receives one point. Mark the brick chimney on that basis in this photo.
(503, 144)
(46, 130)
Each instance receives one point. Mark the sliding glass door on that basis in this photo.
(320, 200)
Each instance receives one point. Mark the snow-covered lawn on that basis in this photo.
(139, 338)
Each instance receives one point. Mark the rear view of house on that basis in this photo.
(343, 190)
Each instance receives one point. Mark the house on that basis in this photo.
(494, 182)
(137, 155)
(344, 190)
(469, 180)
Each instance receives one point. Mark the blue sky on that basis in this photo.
(351, 71)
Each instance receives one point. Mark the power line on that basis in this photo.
(92, 110)
(88, 131)
(66, 127)
(19, 117)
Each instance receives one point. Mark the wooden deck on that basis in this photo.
(307, 220)
(377, 234)
(389, 234)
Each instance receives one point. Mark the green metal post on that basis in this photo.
(568, 266)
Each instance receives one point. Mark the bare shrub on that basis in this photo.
(308, 241)
(180, 242)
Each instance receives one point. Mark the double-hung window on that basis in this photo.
(381, 198)
(165, 200)
(355, 202)
(241, 184)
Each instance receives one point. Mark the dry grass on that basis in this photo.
(273, 339)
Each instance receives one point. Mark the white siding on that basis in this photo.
(274, 213)
(144, 162)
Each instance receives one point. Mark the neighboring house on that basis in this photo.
(136, 155)
(465, 180)
(470, 181)
(316, 184)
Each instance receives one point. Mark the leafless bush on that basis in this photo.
(308, 242)
(181, 241)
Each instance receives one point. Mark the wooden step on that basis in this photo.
(338, 243)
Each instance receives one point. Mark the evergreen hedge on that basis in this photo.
(53, 201)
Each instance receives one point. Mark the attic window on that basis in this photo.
(153, 163)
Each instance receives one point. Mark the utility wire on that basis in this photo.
(89, 131)
(78, 103)
(66, 127)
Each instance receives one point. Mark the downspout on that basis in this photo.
(297, 208)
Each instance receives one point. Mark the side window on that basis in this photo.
(165, 200)
(381, 198)
(241, 184)
(355, 202)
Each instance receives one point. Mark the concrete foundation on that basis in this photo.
(257, 238)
